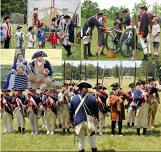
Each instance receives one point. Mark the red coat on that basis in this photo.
(53, 39)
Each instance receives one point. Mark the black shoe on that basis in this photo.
(63, 131)
(138, 131)
(23, 131)
(19, 129)
(94, 149)
(133, 124)
(68, 54)
(144, 131)
(90, 55)
(82, 150)
(68, 131)
(145, 58)
(128, 124)
(60, 126)
(102, 53)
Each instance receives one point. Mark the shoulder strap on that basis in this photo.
(80, 104)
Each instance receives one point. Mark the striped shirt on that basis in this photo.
(21, 82)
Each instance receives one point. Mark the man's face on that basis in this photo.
(140, 11)
(67, 20)
(99, 16)
(8, 20)
(84, 90)
(142, 86)
(39, 59)
(20, 57)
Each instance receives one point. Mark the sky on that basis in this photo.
(127, 3)
(107, 64)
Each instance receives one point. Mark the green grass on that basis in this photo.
(118, 56)
(59, 142)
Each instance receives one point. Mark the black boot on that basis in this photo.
(145, 58)
(133, 124)
(138, 131)
(60, 126)
(63, 131)
(128, 124)
(120, 127)
(82, 150)
(68, 131)
(102, 53)
(23, 131)
(113, 127)
(144, 131)
(94, 149)
(89, 50)
(19, 129)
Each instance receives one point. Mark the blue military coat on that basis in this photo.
(90, 101)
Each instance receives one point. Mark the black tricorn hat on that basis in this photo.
(142, 82)
(131, 85)
(84, 85)
(100, 13)
(6, 17)
(125, 10)
(99, 86)
(6, 90)
(30, 28)
(143, 7)
(66, 16)
(39, 54)
(18, 27)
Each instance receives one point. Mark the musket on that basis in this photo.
(64, 75)
(80, 70)
(120, 74)
(76, 9)
(135, 73)
(71, 76)
(146, 72)
(85, 72)
(103, 74)
(97, 76)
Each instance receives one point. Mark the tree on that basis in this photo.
(156, 8)
(89, 8)
(135, 10)
(116, 71)
(14, 6)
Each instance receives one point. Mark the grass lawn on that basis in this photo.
(118, 56)
(59, 142)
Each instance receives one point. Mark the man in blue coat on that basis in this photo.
(69, 34)
(80, 106)
(144, 30)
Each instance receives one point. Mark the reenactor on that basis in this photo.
(33, 101)
(82, 108)
(50, 112)
(131, 110)
(6, 111)
(20, 105)
(142, 107)
(101, 98)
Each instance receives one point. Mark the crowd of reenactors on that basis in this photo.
(83, 107)
(146, 28)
